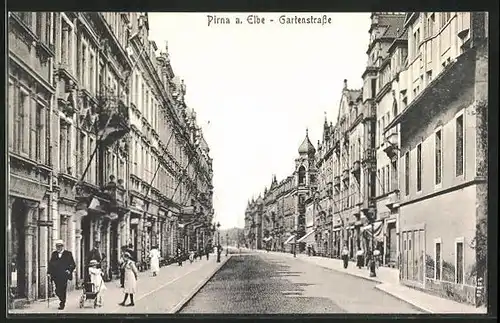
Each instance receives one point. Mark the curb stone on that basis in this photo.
(198, 287)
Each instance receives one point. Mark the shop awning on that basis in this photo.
(306, 236)
(289, 239)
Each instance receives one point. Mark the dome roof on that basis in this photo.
(306, 147)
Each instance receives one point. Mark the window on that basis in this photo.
(388, 189)
(91, 73)
(430, 25)
(82, 153)
(21, 109)
(438, 260)
(459, 150)
(416, 42)
(459, 249)
(374, 87)
(439, 157)
(39, 25)
(39, 135)
(407, 173)
(419, 167)
(83, 66)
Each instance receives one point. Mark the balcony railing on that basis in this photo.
(391, 144)
(114, 119)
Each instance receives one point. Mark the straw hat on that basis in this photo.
(59, 242)
(93, 262)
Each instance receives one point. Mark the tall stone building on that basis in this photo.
(387, 54)
(85, 140)
(442, 95)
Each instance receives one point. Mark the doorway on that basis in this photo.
(113, 261)
(18, 247)
(84, 243)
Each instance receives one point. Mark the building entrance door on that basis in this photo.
(18, 248)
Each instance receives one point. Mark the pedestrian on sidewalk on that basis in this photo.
(191, 256)
(345, 256)
(207, 251)
(122, 266)
(60, 270)
(179, 255)
(97, 278)
(154, 256)
(359, 256)
(130, 286)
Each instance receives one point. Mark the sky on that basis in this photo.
(256, 88)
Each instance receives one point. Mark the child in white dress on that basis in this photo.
(96, 278)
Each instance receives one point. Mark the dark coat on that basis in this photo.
(59, 267)
(133, 254)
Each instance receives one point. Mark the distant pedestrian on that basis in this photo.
(207, 251)
(130, 286)
(179, 256)
(122, 265)
(359, 258)
(154, 256)
(191, 256)
(345, 256)
(376, 256)
(60, 270)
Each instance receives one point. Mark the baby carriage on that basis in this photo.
(90, 294)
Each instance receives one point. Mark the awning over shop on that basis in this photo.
(289, 239)
(267, 239)
(377, 230)
(308, 237)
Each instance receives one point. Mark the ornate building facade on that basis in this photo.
(90, 110)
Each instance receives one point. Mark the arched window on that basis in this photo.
(302, 175)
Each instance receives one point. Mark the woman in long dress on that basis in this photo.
(154, 256)
(130, 283)
(96, 278)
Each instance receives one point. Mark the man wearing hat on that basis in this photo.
(60, 269)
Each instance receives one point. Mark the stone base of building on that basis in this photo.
(456, 292)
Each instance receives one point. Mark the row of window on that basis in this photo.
(438, 157)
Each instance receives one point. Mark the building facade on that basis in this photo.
(442, 144)
(77, 121)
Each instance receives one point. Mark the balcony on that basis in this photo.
(369, 110)
(355, 169)
(114, 119)
(391, 145)
(393, 200)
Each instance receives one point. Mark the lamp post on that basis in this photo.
(227, 243)
(294, 232)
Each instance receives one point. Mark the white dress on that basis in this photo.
(154, 255)
(96, 279)
(130, 284)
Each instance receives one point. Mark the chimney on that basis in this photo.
(345, 84)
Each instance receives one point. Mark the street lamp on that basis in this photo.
(294, 232)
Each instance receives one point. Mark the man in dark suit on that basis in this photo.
(132, 252)
(61, 266)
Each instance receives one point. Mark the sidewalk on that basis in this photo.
(388, 279)
(183, 282)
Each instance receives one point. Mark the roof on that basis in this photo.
(306, 147)
(394, 24)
